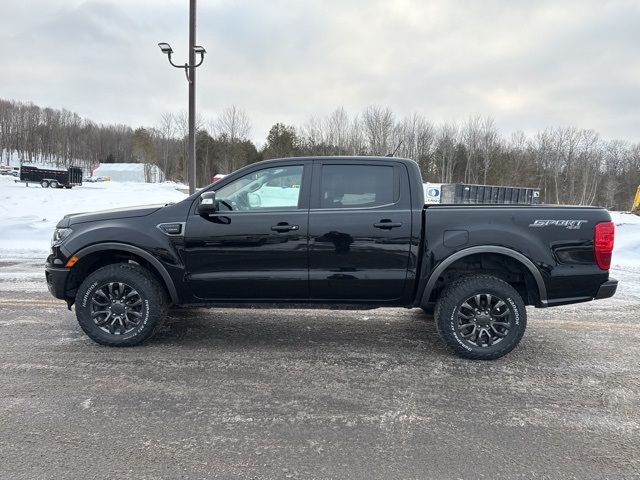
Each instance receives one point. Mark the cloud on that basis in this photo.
(528, 64)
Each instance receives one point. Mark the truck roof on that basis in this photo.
(341, 157)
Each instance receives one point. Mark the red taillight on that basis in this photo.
(603, 244)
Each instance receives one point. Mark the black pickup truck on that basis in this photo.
(336, 232)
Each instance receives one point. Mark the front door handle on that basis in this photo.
(386, 224)
(284, 227)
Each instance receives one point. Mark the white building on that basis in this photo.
(130, 172)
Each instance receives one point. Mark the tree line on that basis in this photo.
(569, 165)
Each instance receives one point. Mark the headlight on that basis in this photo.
(59, 235)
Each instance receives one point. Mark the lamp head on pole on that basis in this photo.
(165, 48)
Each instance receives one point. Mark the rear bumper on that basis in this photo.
(607, 289)
(56, 280)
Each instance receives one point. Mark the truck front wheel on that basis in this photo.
(120, 305)
(481, 317)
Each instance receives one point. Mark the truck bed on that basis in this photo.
(557, 239)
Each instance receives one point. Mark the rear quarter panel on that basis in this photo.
(558, 240)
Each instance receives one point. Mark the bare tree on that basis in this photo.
(166, 131)
(489, 146)
(414, 137)
(445, 154)
(234, 124)
(378, 123)
(356, 142)
(471, 139)
(337, 129)
(314, 135)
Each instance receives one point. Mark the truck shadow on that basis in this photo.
(232, 328)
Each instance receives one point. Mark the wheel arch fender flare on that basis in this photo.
(166, 278)
(433, 278)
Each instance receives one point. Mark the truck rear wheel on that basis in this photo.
(54, 184)
(120, 305)
(44, 184)
(481, 317)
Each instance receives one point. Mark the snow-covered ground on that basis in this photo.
(28, 215)
(626, 252)
(625, 264)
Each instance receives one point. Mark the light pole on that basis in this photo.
(190, 72)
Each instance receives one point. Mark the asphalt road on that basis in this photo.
(314, 394)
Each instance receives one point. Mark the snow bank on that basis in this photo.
(626, 251)
(625, 264)
(28, 215)
(130, 172)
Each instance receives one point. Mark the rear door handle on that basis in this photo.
(284, 227)
(386, 224)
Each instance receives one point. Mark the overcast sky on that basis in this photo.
(529, 64)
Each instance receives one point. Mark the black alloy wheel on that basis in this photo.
(483, 320)
(116, 308)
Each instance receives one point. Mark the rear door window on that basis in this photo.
(357, 186)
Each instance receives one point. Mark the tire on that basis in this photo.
(123, 323)
(485, 333)
(54, 184)
(44, 184)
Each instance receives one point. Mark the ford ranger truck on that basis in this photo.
(331, 232)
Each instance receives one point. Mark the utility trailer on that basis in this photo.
(47, 177)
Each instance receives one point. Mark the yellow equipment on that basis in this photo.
(636, 202)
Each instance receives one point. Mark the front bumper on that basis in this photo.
(57, 280)
(607, 289)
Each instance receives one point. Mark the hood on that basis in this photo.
(129, 212)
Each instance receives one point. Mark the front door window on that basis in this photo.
(276, 188)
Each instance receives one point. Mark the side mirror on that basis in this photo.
(208, 204)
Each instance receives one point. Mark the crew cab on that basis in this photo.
(337, 232)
